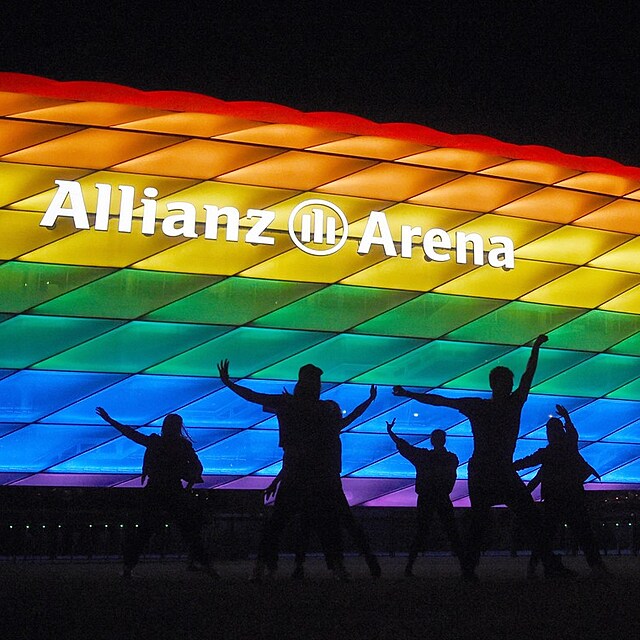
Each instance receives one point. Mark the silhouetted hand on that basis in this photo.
(373, 392)
(103, 414)
(390, 426)
(399, 391)
(270, 491)
(562, 412)
(223, 370)
(540, 340)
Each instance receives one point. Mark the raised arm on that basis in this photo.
(569, 428)
(428, 398)
(530, 371)
(360, 409)
(128, 432)
(264, 399)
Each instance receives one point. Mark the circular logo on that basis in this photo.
(319, 222)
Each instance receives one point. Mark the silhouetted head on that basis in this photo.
(438, 438)
(308, 385)
(172, 426)
(555, 431)
(501, 381)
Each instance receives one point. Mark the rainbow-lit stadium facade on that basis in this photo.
(106, 299)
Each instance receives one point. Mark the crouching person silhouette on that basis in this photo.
(169, 460)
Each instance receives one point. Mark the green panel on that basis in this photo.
(248, 350)
(335, 308)
(630, 391)
(133, 347)
(434, 364)
(516, 323)
(629, 347)
(594, 378)
(26, 284)
(343, 357)
(234, 301)
(129, 293)
(430, 316)
(595, 331)
(28, 339)
(550, 363)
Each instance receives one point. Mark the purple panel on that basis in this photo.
(247, 482)
(74, 480)
(361, 490)
(8, 477)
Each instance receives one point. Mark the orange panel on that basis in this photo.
(197, 159)
(388, 181)
(11, 103)
(92, 148)
(296, 170)
(291, 136)
(372, 147)
(621, 215)
(204, 125)
(16, 135)
(91, 113)
(530, 171)
(456, 159)
(475, 193)
(601, 183)
(554, 205)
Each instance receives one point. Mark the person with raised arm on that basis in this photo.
(435, 478)
(495, 425)
(169, 460)
(562, 476)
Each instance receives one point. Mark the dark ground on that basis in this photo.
(165, 601)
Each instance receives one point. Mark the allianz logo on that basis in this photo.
(317, 227)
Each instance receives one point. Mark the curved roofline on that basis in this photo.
(275, 113)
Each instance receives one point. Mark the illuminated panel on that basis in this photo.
(135, 321)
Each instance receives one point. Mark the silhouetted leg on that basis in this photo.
(578, 520)
(189, 521)
(136, 539)
(446, 513)
(326, 520)
(424, 514)
(302, 542)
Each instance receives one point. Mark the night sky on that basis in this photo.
(530, 72)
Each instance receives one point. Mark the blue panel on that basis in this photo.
(242, 454)
(271, 470)
(538, 409)
(361, 449)
(6, 372)
(8, 427)
(630, 434)
(628, 473)
(39, 446)
(607, 457)
(138, 399)
(29, 395)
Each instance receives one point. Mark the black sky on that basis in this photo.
(559, 74)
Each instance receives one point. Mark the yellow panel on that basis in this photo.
(372, 147)
(213, 256)
(296, 170)
(601, 183)
(634, 196)
(389, 182)
(414, 215)
(41, 201)
(489, 282)
(197, 159)
(103, 248)
(11, 103)
(519, 230)
(92, 148)
(621, 215)
(474, 192)
(456, 159)
(21, 232)
(411, 274)
(571, 245)
(555, 205)
(628, 302)
(295, 264)
(91, 113)
(16, 135)
(584, 287)
(20, 181)
(190, 124)
(291, 136)
(531, 171)
(624, 258)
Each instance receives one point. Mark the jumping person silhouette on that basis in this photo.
(562, 476)
(169, 459)
(435, 477)
(495, 425)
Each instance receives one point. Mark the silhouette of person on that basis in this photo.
(495, 424)
(169, 459)
(308, 444)
(435, 477)
(562, 476)
(337, 423)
